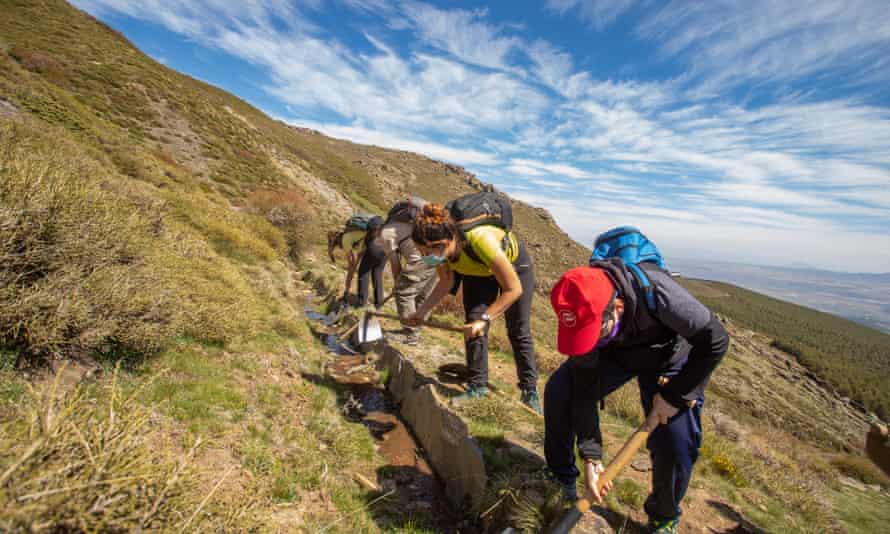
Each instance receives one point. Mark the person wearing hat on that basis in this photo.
(610, 335)
(365, 255)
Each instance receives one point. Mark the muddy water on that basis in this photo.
(416, 491)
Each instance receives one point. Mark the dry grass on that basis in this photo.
(91, 264)
(79, 465)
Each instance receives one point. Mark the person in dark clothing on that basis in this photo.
(371, 266)
(497, 276)
(610, 336)
(363, 254)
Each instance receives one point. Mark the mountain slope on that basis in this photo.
(153, 222)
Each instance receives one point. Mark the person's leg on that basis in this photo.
(428, 280)
(412, 288)
(559, 435)
(479, 293)
(568, 390)
(377, 276)
(674, 448)
(365, 267)
(518, 318)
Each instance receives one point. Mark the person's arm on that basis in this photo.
(443, 287)
(685, 315)
(350, 270)
(511, 290)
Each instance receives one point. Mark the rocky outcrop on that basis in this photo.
(446, 439)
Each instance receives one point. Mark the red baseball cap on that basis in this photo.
(579, 299)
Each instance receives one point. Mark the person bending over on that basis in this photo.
(364, 255)
(497, 276)
(610, 336)
(414, 279)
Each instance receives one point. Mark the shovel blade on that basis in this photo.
(369, 331)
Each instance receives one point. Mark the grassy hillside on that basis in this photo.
(153, 231)
(853, 358)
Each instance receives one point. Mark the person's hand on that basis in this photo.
(663, 409)
(412, 319)
(592, 471)
(474, 329)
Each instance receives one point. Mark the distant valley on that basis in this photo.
(860, 297)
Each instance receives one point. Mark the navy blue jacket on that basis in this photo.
(681, 327)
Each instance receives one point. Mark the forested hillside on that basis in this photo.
(852, 357)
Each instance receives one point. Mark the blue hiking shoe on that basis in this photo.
(530, 398)
(667, 526)
(569, 492)
(472, 392)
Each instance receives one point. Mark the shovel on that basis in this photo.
(570, 518)
(370, 330)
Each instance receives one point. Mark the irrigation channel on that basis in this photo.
(409, 486)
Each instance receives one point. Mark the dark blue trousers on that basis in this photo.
(673, 447)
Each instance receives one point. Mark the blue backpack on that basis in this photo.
(633, 248)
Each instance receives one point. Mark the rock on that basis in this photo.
(593, 523)
(643, 464)
(444, 436)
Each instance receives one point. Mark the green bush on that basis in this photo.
(91, 263)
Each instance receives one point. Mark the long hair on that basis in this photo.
(433, 223)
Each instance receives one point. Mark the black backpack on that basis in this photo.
(405, 210)
(479, 209)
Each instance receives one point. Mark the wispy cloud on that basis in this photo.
(598, 13)
(754, 118)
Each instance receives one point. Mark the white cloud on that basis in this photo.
(552, 168)
(598, 13)
(731, 42)
(463, 34)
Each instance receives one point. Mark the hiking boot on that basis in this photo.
(530, 398)
(569, 492)
(472, 392)
(667, 526)
(412, 338)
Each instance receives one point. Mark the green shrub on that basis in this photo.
(92, 263)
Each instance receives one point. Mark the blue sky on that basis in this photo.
(754, 131)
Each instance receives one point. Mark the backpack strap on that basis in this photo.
(639, 272)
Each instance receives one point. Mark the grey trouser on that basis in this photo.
(414, 285)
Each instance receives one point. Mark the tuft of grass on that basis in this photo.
(625, 403)
(630, 493)
(861, 469)
(87, 466)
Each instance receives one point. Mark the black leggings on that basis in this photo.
(372, 265)
(479, 293)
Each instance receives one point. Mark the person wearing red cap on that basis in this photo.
(610, 336)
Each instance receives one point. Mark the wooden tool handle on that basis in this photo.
(431, 324)
(627, 452)
(568, 521)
